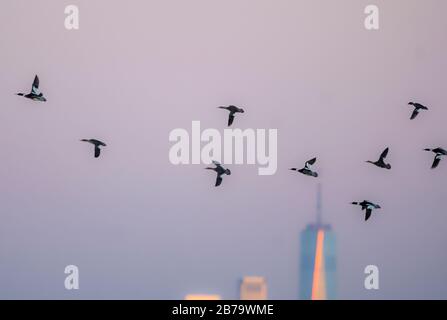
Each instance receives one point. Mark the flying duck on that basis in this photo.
(233, 110)
(381, 163)
(35, 94)
(97, 144)
(439, 154)
(307, 170)
(220, 172)
(368, 206)
(417, 108)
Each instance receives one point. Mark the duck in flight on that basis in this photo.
(417, 107)
(97, 145)
(220, 172)
(233, 110)
(381, 163)
(368, 206)
(307, 170)
(439, 153)
(35, 94)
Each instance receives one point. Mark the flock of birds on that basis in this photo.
(367, 206)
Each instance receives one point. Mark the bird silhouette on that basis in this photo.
(381, 163)
(417, 108)
(233, 110)
(307, 170)
(368, 206)
(35, 94)
(220, 172)
(439, 153)
(97, 145)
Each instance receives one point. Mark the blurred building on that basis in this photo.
(203, 297)
(318, 259)
(253, 288)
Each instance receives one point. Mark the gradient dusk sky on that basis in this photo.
(138, 226)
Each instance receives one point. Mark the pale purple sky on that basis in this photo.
(139, 227)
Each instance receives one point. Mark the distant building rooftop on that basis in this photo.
(253, 288)
(203, 297)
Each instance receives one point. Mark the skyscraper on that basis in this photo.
(318, 259)
(253, 288)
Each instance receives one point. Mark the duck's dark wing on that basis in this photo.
(36, 82)
(414, 114)
(218, 180)
(218, 166)
(97, 151)
(384, 154)
(368, 214)
(310, 162)
(35, 88)
(364, 204)
(97, 142)
(436, 162)
(421, 106)
(230, 119)
(440, 150)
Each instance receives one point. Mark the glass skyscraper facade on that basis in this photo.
(317, 260)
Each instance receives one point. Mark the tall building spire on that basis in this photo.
(318, 266)
(319, 209)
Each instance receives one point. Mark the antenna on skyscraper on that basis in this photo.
(319, 209)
